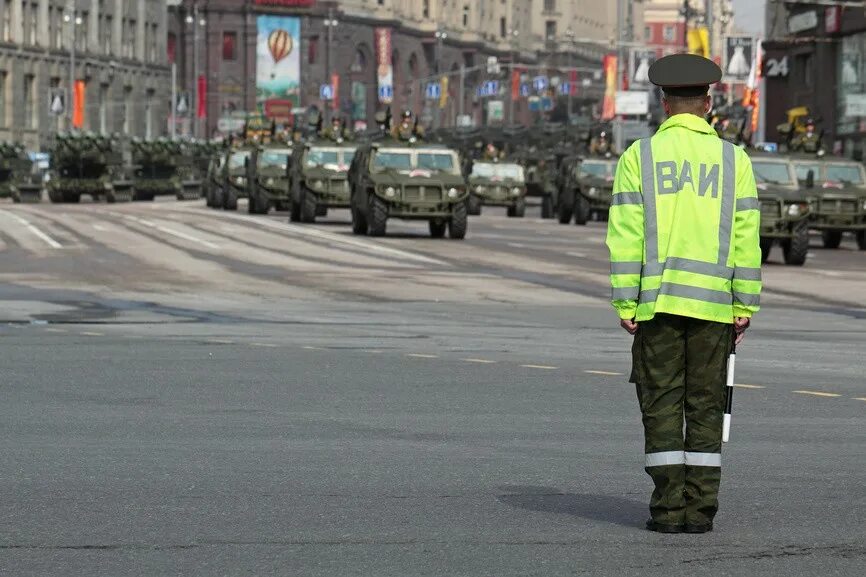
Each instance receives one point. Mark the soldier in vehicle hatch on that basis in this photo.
(408, 127)
(809, 141)
(600, 145)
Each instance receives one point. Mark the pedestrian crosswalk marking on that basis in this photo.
(37, 232)
(817, 394)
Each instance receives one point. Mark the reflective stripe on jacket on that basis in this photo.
(684, 226)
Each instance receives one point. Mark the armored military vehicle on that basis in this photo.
(19, 178)
(836, 189)
(408, 179)
(268, 177)
(497, 184)
(586, 188)
(213, 181)
(319, 178)
(232, 179)
(539, 165)
(784, 208)
(89, 164)
(165, 167)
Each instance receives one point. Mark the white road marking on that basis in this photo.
(516, 245)
(334, 238)
(91, 334)
(27, 224)
(749, 386)
(267, 345)
(50, 330)
(309, 348)
(577, 254)
(420, 356)
(605, 373)
(172, 232)
(817, 394)
(100, 228)
(480, 361)
(221, 341)
(540, 367)
(860, 398)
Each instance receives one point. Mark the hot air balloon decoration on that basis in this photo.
(280, 44)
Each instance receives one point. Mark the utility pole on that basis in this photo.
(687, 15)
(330, 24)
(195, 72)
(74, 20)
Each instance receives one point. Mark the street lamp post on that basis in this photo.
(512, 40)
(330, 24)
(687, 16)
(74, 20)
(196, 23)
(440, 36)
(570, 34)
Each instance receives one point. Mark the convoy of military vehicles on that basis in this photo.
(399, 172)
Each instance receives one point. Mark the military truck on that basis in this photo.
(784, 207)
(89, 164)
(539, 165)
(497, 184)
(586, 189)
(164, 167)
(268, 177)
(20, 178)
(836, 189)
(319, 178)
(411, 180)
(232, 181)
(213, 182)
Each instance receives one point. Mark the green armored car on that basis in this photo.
(784, 207)
(89, 164)
(268, 177)
(836, 189)
(231, 178)
(408, 179)
(497, 184)
(320, 178)
(586, 189)
(19, 178)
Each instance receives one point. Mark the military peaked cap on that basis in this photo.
(685, 74)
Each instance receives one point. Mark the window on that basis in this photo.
(670, 33)
(148, 114)
(57, 25)
(132, 30)
(313, 50)
(34, 24)
(171, 47)
(648, 33)
(426, 9)
(7, 21)
(151, 45)
(2, 98)
(127, 109)
(103, 108)
(230, 39)
(805, 68)
(29, 92)
(550, 30)
(503, 28)
(81, 32)
(550, 5)
(107, 31)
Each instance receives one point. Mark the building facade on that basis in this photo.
(815, 56)
(424, 39)
(120, 65)
(665, 23)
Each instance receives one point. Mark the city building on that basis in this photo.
(665, 23)
(815, 56)
(119, 53)
(399, 46)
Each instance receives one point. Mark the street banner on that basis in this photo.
(608, 109)
(278, 62)
(572, 82)
(202, 96)
(739, 59)
(443, 95)
(640, 61)
(515, 85)
(335, 96)
(78, 100)
(384, 65)
(699, 41)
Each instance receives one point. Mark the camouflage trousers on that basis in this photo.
(680, 369)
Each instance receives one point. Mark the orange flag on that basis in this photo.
(78, 104)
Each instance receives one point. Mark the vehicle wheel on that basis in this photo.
(437, 228)
(359, 221)
(831, 238)
(110, 198)
(547, 207)
(459, 222)
(581, 210)
(230, 199)
(378, 216)
(217, 198)
(308, 206)
(474, 205)
(796, 248)
(861, 240)
(518, 210)
(258, 205)
(566, 206)
(71, 197)
(321, 210)
(55, 197)
(766, 247)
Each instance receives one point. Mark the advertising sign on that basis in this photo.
(641, 60)
(384, 65)
(632, 102)
(278, 62)
(739, 58)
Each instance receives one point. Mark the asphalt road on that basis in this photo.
(190, 392)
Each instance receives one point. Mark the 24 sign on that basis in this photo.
(776, 67)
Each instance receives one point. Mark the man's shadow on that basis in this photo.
(607, 508)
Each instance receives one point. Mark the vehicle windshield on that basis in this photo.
(803, 170)
(237, 159)
(845, 173)
(490, 170)
(392, 160)
(597, 169)
(772, 172)
(436, 161)
(275, 158)
(322, 156)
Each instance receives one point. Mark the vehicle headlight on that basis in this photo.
(864, 204)
(453, 192)
(795, 210)
(480, 189)
(516, 191)
(390, 192)
(269, 182)
(593, 191)
(240, 180)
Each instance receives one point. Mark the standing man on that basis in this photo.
(686, 277)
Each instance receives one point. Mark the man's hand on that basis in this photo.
(740, 326)
(629, 325)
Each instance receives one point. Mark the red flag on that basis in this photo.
(202, 97)
(572, 82)
(335, 84)
(515, 85)
(78, 99)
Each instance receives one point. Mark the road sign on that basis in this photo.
(57, 101)
(326, 92)
(489, 88)
(433, 91)
(525, 90)
(540, 83)
(492, 65)
(386, 93)
(565, 88)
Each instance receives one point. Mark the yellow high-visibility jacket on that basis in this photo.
(684, 227)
